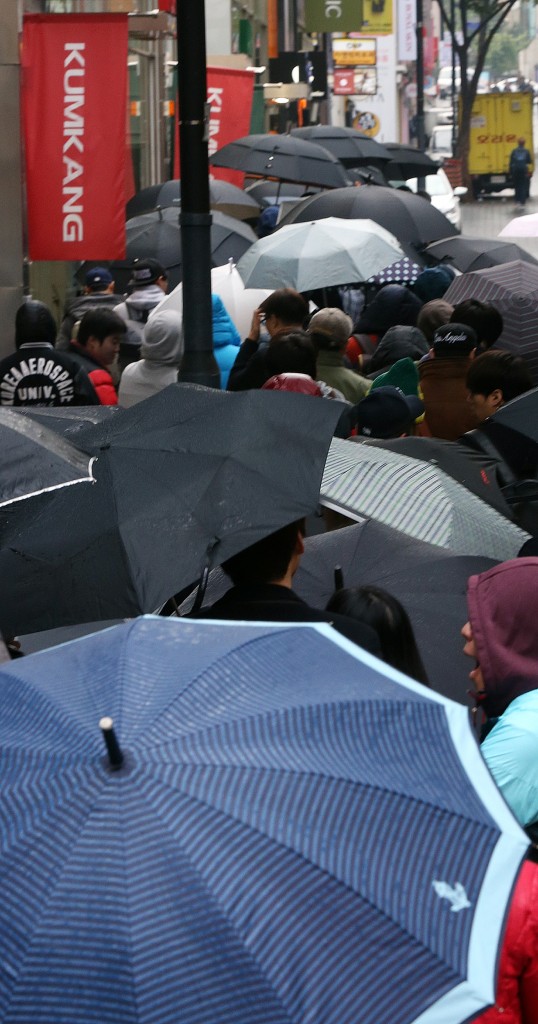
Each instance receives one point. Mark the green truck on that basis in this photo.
(498, 120)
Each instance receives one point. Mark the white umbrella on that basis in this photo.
(239, 301)
(318, 254)
(520, 227)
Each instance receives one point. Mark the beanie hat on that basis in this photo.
(454, 340)
(34, 322)
(298, 382)
(162, 339)
(403, 375)
(146, 272)
(387, 412)
(333, 325)
(433, 282)
(432, 315)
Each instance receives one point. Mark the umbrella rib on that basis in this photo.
(300, 856)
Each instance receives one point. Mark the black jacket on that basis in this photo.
(38, 375)
(270, 602)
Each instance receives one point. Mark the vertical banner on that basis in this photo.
(74, 101)
(407, 37)
(229, 96)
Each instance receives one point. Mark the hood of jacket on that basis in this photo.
(397, 343)
(146, 298)
(393, 305)
(163, 338)
(503, 611)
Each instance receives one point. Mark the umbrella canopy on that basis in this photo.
(475, 470)
(476, 253)
(404, 271)
(430, 582)
(223, 196)
(34, 460)
(184, 479)
(413, 220)
(240, 864)
(318, 254)
(226, 281)
(282, 157)
(513, 289)
(267, 193)
(158, 235)
(349, 146)
(417, 498)
(521, 227)
(407, 162)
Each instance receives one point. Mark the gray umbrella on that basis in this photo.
(417, 498)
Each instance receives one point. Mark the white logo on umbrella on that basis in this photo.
(455, 895)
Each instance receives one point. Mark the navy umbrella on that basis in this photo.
(246, 824)
(185, 479)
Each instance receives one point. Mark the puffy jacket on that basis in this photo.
(516, 1000)
(99, 376)
(226, 339)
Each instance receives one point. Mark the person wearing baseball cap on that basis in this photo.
(448, 414)
(98, 294)
(148, 286)
(386, 413)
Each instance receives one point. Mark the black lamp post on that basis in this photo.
(421, 135)
(198, 364)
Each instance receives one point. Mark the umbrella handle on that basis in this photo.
(338, 578)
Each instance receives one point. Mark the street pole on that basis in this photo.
(198, 365)
(420, 75)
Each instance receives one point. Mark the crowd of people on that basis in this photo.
(410, 364)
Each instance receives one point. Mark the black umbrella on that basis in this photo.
(513, 289)
(349, 146)
(513, 432)
(413, 220)
(266, 192)
(282, 157)
(407, 162)
(35, 460)
(183, 479)
(429, 582)
(158, 235)
(477, 253)
(476, 471)
(223, 196)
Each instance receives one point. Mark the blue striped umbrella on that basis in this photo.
(283, 830)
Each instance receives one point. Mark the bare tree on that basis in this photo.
(490, 15)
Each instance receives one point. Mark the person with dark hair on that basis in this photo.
(493, 378)
(433, 314)
(262, 577)
(36, 374)
(95, 347)
(147, 288)
(485, 320)
(378, 609)
(98, 293)
(282, 312)
(448, 414)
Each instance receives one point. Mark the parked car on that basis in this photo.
(441, 142)
(442, 195)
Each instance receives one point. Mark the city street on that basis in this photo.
(484, 219)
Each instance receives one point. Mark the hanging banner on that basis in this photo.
(74, 101)
(333, 15)
(229, 96)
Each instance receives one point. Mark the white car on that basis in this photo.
(442, 195)
(441, 142)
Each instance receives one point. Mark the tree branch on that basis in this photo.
(504, 9)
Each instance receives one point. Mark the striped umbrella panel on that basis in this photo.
(417, 498)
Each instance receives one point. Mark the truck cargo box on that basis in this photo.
(498, 120)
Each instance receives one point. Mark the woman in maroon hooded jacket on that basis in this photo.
(502, 638)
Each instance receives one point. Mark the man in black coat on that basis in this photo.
(262, 577)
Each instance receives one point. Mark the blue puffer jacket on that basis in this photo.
(226, 339)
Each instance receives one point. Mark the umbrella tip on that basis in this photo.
(338, 578)
(115, 755)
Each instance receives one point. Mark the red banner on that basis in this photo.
(74, 106)
(229, 94)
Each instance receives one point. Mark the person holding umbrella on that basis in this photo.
(282, 312)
